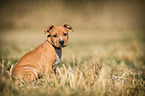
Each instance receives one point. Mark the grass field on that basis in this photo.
(96, 62)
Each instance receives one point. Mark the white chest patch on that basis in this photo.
(58, 52)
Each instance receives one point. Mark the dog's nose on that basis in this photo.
(61, 42)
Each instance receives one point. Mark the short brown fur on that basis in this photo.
(39, 61)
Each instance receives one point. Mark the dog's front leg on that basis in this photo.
(54, 67)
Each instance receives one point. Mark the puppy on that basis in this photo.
(44, 58)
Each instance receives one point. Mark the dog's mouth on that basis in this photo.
(62, 46)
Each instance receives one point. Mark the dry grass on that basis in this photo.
(99, 63)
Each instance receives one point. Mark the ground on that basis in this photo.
(96, 62)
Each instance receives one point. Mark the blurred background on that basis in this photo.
(22, 22)
(79, 13)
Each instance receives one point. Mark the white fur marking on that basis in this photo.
(58, 52)
(61, 38)
(56, 62)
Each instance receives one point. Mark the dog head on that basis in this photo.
(58, 35)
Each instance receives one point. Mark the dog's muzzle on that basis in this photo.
(61, 42)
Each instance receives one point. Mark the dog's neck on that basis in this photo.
(58, 58)
(53, 45)
(57, 50)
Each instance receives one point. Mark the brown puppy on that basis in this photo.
(45, 57)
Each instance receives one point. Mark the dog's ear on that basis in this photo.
(49, 28)
(67, 27)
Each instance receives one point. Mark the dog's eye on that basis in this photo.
(54, 35)
(48, 35)
(64, 34)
